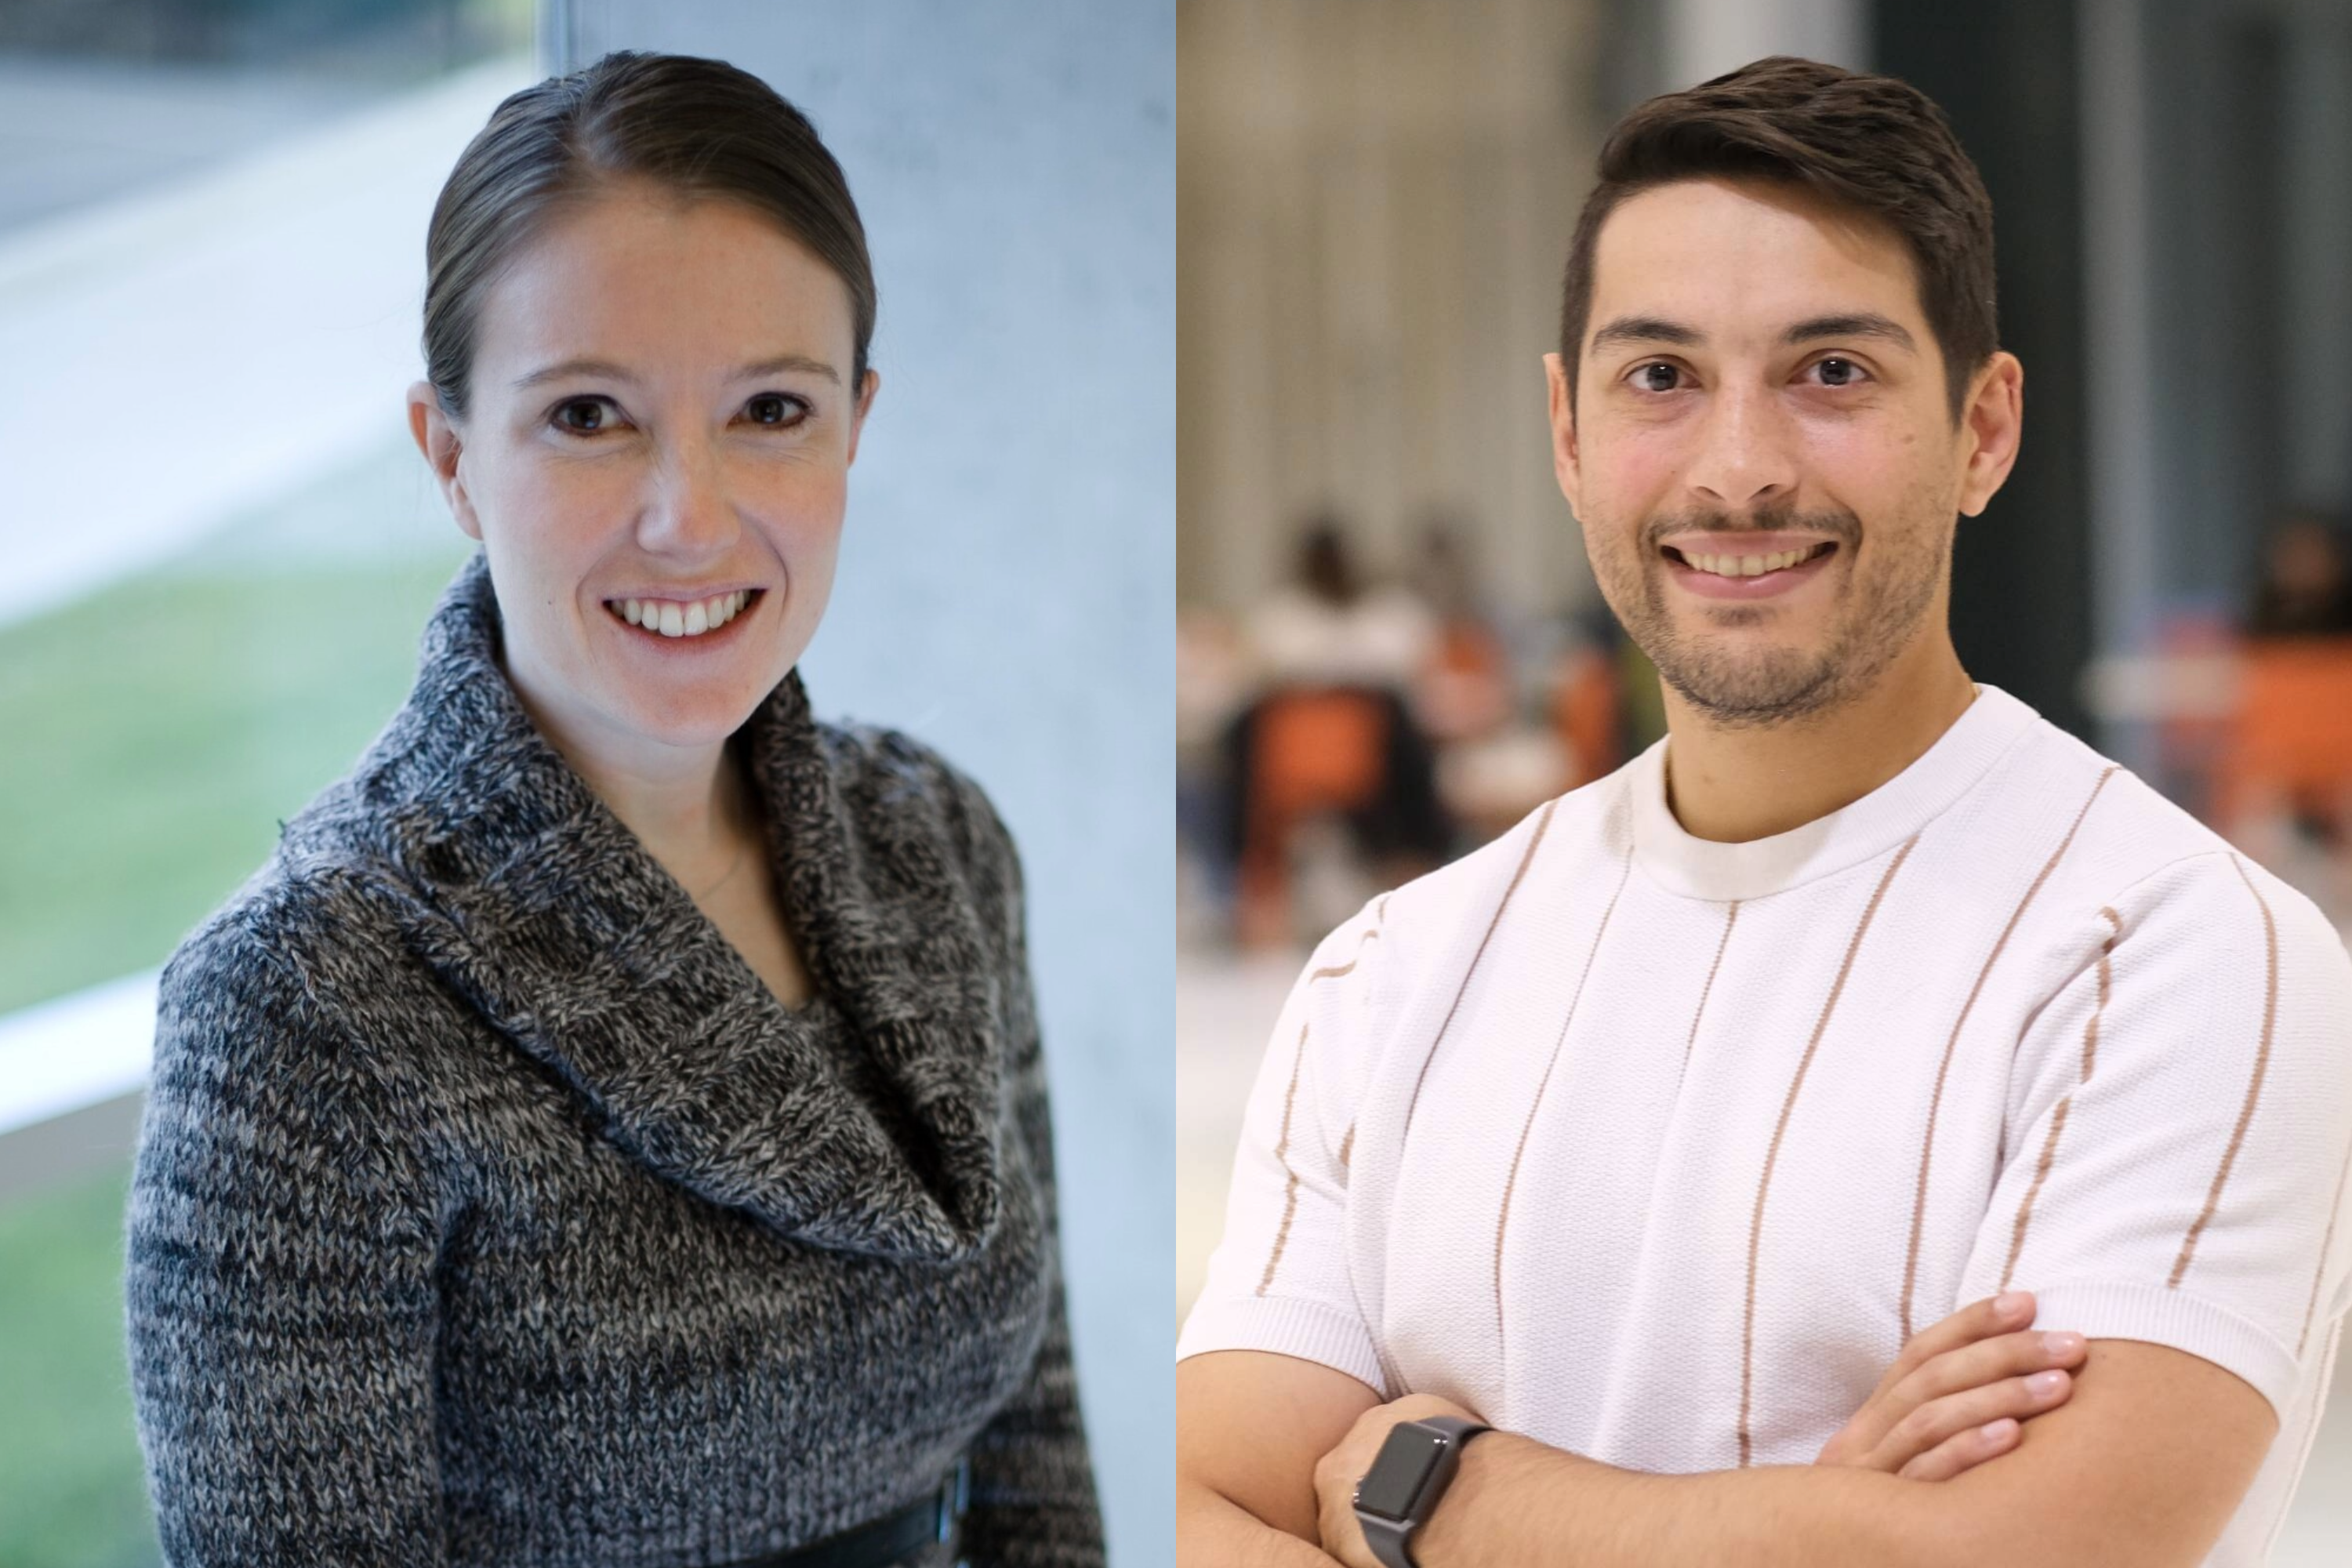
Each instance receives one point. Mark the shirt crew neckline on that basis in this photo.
(1704, 869)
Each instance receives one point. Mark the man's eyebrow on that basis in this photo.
(1861, 324)
(780, 364)
(1645, 330)
(1638, 330)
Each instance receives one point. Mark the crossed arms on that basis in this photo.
(2141, 1467)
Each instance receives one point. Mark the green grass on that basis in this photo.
(157, 731)
(72, 1490)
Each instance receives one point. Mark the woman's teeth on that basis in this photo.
(673, 620)
(1749, 565)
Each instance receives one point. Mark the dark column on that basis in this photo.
(2004, 71)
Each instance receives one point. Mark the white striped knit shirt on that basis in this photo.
(1658, 1150)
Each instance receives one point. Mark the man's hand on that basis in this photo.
(1337, 1472)
(1955, 1396)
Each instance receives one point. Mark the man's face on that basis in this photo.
(1762, 456)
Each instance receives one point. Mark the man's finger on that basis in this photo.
(1979, 1320)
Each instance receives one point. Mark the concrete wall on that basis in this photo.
(1005, 581)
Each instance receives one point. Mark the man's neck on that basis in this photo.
(1732, 785)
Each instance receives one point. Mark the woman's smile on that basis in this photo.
(685, 623)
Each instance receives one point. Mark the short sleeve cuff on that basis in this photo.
(1307, 1329)
(2169, 1317)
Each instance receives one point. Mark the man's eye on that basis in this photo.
(1838, 371)
(1655, 377)
(776, 409)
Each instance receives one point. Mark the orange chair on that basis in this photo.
(1311, 752)
(1466, 691)
(2292, 737)
(1585, 712)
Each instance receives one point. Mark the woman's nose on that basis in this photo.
(690, 503)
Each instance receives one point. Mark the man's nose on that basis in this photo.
(1745, 456)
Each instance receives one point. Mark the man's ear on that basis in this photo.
(1566, 464)
(438, 437)
(865, 391)
(1995, 422)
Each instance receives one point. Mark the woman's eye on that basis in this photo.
(1838, 371)
(591, 411)
(775, 409)
(1655, 377)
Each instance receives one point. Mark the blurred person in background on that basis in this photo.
(2305, 589)
(1499, 756)
(1863, 1074)
(1332, 776)
(1326, 625)
(613, 1124)
(2283, 784)
(1465, 689)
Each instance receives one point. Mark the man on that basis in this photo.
(1684, 1134)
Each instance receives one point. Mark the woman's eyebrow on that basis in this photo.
(611, 371)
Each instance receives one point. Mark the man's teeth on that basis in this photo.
(672, 619)
(1746, 565)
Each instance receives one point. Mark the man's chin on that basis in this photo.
(1756, 697)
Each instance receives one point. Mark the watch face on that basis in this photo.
(1391, 1487)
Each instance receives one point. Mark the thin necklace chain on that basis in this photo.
(723, 876)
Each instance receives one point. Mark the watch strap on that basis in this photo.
(1390, 1539)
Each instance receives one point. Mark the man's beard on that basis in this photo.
(1877, 612)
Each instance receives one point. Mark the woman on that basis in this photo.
(612, 1127)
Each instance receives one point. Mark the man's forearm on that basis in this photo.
(1215, 1531)
(1517, 1502)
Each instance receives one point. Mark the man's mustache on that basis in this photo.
(1842, 526)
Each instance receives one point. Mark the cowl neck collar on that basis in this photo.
(518, 886)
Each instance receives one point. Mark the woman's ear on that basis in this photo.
(439, 439)
(865, 391)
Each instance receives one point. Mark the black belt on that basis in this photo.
(889, 1541)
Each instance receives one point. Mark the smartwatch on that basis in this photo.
(1412, 1471)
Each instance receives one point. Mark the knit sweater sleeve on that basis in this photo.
(281, 1306)
(1033, 1500)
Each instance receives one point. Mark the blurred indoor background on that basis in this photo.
(223, 548)
(1389, 646)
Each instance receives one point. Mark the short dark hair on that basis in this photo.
(1875, 145)
(699, 127)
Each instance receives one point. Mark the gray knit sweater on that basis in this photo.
(488, 1209)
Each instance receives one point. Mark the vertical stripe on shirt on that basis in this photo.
(1935, 1102)
(1289, 1101)
(2326, 1244)
(1772, 1154)
(1730, 920)
(1534, 842)
(1502, 1213)
(2058, 1117)
(1282, 1158)
(2253, 1088)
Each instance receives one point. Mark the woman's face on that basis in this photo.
(660, 410)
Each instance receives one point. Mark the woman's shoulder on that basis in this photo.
(898, 789)
(305, 939)
(256, 1005)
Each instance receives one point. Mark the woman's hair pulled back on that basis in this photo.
(697, 127)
